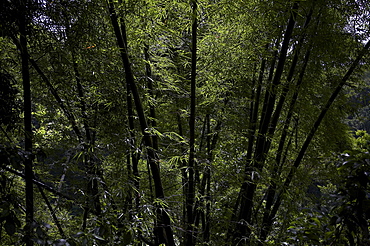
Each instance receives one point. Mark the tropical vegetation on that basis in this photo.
(198, 122)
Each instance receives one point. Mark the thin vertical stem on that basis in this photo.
(28, 165)
(191, 166)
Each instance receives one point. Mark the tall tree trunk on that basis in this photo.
(184, 178)
(90, 165)
(271, 191)
(254, 108)
(60, 102)
(28, 165)
(313, 130)
(162, 231)
(211, 145)
(152, 122)
(191, 166)
(149, 80)
(202, 205)
(52, 212)
(133, 157)
(247, 194)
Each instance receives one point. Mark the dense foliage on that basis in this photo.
(184, 122)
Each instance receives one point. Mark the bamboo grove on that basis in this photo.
(127, 122)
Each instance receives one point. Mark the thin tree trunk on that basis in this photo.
(182, 168)
(270, 97)
(189, 240)
(152, 114)
(68, 115)
(199, 206)
(91, 168)
(28, 165)
(52, 212)
(62, 178)
(93, 183)
(42, 184)
(277, 113)
(162, 231)
(60, 102)
(251, 139)
(132, 155)
(313, 130)
(246, 203)
(271, 191)
(211, 145)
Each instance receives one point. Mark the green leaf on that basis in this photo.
(98, 237)
(79, 234)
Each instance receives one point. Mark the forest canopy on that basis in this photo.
(196, 122)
